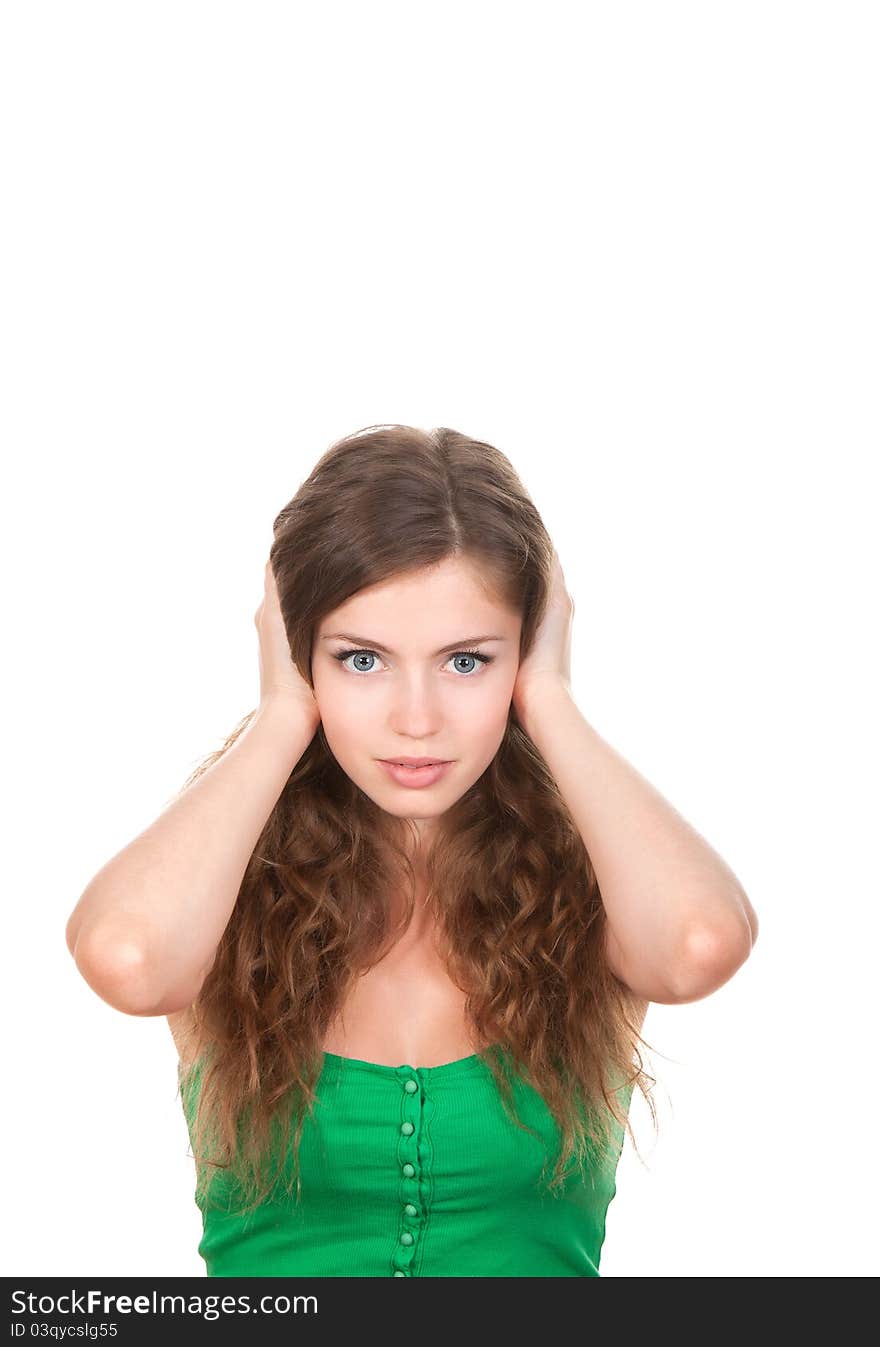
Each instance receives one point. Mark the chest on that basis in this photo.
(406, 1009)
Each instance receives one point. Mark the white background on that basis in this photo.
(635, 247)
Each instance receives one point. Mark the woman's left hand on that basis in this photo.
(549, 660)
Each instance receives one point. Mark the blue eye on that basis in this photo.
(347, 654)
(371, 654)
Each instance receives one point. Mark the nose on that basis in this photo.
(415, 711)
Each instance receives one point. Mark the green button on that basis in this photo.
(411, 1086)
(400, 1274)
(408, 1171)
(407, 1129)
(406, 1238)
(410, 1210)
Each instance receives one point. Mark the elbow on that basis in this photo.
(71, 931)
(751, 917)
(711, 957)
(116, 970)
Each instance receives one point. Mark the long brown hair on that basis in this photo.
(510, 883)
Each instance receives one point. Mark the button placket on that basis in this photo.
(408, 1159)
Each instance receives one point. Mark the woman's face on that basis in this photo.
(406, 687)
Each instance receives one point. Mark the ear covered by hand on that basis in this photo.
(548, 663)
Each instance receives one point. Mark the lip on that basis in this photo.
(415, 777)
(416, 762)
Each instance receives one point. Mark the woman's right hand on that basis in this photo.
(279, 676)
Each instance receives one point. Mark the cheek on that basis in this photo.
(342, 724)
(496, 694)
(339, 721)
(483, 719)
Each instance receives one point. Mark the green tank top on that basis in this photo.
(418, 1172)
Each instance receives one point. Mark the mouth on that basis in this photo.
(425, 773)
(415, 762)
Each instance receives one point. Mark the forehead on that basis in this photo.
(449, 599)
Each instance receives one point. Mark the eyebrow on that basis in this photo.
(374, 645)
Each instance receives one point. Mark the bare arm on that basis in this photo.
(146, 929)
(679, 921)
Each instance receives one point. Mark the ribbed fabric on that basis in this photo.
(418, 1172)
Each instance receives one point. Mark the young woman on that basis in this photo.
(406, 923)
